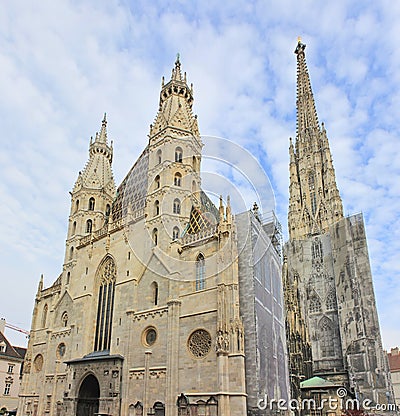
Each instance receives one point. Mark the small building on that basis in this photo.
(11, 361)
(394, 366)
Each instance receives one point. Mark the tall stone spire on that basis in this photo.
(175, 108)
(314, 203)
(97, 173)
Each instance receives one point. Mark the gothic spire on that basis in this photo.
(314, 203)
(175, 107)
(97, 173)
(307, 119)
(102, 136)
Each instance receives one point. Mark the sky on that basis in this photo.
(63, 64)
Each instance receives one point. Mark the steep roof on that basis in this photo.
(132, 191)
(12, 352)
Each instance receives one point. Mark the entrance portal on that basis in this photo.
(88, 398)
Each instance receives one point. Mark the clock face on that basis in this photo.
(61, 350)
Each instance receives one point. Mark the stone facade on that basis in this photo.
(147, 314)
(327, 261)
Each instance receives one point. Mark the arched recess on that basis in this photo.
(88, 397)
(106, 276)
(326, 337)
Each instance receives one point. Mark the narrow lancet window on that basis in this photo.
(105, 305)
(200, 271)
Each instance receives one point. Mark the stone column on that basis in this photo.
(174, 307)
(146, 379)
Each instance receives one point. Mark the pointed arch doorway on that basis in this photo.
(88, 398)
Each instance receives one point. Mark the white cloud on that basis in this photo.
(65, 63)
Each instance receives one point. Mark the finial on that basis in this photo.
(299, 47)
(162, 81)
(220, 201)
(177, 62)
(104, 119)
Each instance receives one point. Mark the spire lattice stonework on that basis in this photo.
(314, 203)
(175, 111)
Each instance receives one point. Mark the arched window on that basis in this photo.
(68, 277)
(313, 203)
(159, 156)
(91, 204)
(77, 205)
(178, 155)
(64, 319)
(71, 253)
(331, 301)
(157, 182)
(326, 337)
(108, 210)
(154, 293)
(106, 275)
(194, 163)
(74, 228)
(44, 315)
(194, 187)
(89, 226)
(155, 236)
(175, 233)
(177, 179)
(315, 304)
(177, 206)
(200, 269)
(157, 208)
(311, 181)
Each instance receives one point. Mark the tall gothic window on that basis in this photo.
(157, 208)
(91, 204)
(313, 203)
(74, 228)
(316, 249)
(44, 315)
(200, 269)
(311, 181)
(177, 179)
(315, 304)
(178, 155)
(154, 290)
(326, 337)
(108, 210)
(331, 301)
(177, 206)
(157, 181)
(155, 236)
(175, 233)
(106, 274)
(159, 156)
(89, 226)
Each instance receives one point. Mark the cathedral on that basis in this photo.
(332, 323)
(165, 300)
(168, 304)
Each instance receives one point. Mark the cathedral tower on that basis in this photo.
(328, 266)
(93, 193)
(314, 202)
(174, 160)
